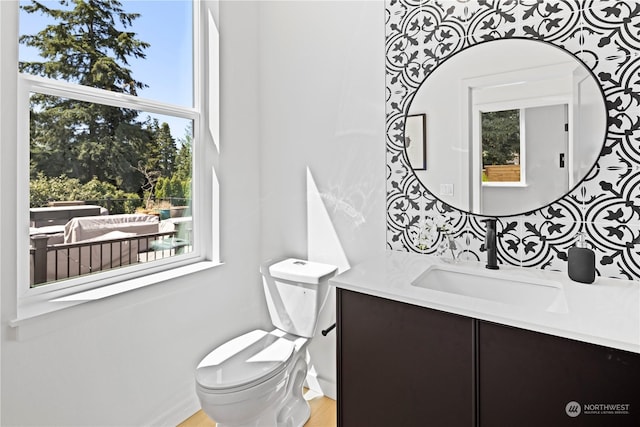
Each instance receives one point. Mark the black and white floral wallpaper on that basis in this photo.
(605, 35)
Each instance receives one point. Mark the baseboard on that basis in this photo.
(175, 414)
(329, 388)
(320, 385)
(188, 405)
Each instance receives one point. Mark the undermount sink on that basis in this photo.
(494, 286)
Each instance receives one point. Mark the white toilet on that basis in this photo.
(256, 379)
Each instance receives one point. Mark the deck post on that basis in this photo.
(39, 243)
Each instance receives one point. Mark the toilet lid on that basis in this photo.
(250, 358)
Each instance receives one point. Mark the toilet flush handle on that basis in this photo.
(329, 329)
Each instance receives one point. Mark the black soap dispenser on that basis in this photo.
(582, 261)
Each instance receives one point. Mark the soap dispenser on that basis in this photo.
(582, 261)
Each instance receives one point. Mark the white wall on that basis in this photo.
(322, 140)
(302, 96)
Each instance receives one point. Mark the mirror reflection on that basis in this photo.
(505, 127)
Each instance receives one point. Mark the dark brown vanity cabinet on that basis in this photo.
(532, 379)
(404, 365)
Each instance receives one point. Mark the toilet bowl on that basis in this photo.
(256, 379)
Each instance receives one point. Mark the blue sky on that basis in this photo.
(166, 25)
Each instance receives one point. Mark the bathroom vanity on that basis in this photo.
(411, 353)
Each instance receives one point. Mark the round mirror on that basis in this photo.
(505, 127)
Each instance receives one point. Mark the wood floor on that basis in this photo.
(323, 414)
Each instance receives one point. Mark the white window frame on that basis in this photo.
(522, 182)
(205, 253)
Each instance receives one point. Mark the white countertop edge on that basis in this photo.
(371, 278)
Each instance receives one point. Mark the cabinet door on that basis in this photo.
(402, 365)
(533, 379)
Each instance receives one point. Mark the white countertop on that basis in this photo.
(606, 312)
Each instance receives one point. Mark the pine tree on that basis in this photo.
(85, 46)
(183, 157)
(167, 149)
(86, 43)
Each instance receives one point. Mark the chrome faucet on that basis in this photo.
(490, 244)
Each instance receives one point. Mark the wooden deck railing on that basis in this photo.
(61, 261)
(502, 173)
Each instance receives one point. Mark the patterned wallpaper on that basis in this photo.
(420, 34)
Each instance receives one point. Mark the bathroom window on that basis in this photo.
(109, 141)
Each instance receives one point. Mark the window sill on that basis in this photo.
(28, 324)
(505, 184)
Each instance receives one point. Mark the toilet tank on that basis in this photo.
(296, 291)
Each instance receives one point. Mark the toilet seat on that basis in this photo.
(244, 362)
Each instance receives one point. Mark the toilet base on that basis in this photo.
(280, 403)
(297, 417)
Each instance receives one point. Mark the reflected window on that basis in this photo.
(501, 146)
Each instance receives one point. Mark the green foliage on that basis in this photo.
(72, 138)
(43, 190)
(166, 146)
(86, 42)
(109, 196)
(183, 158)
(500, 137)
(178, 184)
(161, 188)
(186, 188)
(174, 187)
